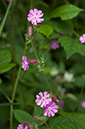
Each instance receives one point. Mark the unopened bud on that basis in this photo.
(26, 123)
(30, 30)
(37, 26)
(36, 117)
(55, 99)
(34, 61)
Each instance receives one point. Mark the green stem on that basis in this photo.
(14, 91)
(35, 51)
(5, 95)
(13, 50)
(11, 116)
(42, 72)
(76, 33)
(72, 123)
(4, 20)
(47, 125)
(47, 81)
(13, 95)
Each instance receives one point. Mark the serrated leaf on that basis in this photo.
(46, 29)
(66, 12)
(62, 122)
(22, 116)
(64, 27)
(71, 46)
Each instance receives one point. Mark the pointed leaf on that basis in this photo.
(6, 67)
(46, 29)
(66, 12)
(71, 46)
(22, 116)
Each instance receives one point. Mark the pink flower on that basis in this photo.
(82, 38)
(51, 109)
(34, 16)
(54, 44)
(62, 102)
(20, 126)
(83, 104)
(43, 99)
(55, 99)
(25, 63)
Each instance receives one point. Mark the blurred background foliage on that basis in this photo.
(31, 82)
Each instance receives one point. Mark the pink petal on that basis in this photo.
(52, 113)
(45, 114)
(24, 58)
(84, 35)
(41, 94)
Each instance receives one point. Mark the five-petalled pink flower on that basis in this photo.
(25, 63)
(51, 109)
(34, 16)
(43, 99)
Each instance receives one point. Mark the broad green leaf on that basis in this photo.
(46, 29)
(22, 116)
(77, 118)
(5, 57)
(66, 12)
(64, 27)
(62, 122)
(6, 67)
(71, 46)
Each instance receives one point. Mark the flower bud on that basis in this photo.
(55, 99)
(36, 117)
(26, 123)
(37, 26)
(30, 30)
(34, 61)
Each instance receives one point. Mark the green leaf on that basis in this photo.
(5, 57)
(22, 116)
(38, 111)
(46, 29)
(62, 122)
(65, 27)
(71, 46)
(75, 117)
(6, 67)
(66, 12)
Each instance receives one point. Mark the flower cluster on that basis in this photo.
(44, 100)
(25, 62)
